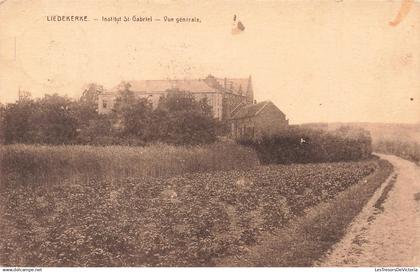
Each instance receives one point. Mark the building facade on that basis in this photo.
(222, 94)
(252, 122)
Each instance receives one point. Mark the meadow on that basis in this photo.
(166, 206)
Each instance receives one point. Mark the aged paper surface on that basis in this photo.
(209, 133)
(316, 60)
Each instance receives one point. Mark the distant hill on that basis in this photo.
(378, 131)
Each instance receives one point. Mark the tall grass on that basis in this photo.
(30, 164)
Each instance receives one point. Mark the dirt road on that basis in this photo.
(387, 231)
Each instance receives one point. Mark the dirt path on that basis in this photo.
(387, 231)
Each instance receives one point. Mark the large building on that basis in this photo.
(232, 100)
(223, 94)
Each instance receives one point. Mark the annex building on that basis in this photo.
(257, 120)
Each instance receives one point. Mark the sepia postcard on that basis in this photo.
(175, 133)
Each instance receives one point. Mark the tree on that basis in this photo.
(49, 120)
(132, 114)
(97, 131)
(57, 120)
(54, 119)
(87, 105)
(180, 119)
(91, 93)
(18, 121)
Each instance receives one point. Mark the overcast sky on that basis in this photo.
(317, 61)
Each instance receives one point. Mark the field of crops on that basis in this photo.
(185, 220)
(31, 164)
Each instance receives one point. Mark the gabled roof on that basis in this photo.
(252, 110)
(237, 86)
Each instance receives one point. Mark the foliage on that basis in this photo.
(298, 145)
(180, 119)
(87, 106)
(47, 120)
(17, 123)
(185, 220)
(53, 119)
(98, 131)
(409, 150)
(132, 114)
(91, 93)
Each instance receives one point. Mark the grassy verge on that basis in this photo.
(306, 239)
(29, 164)
(380, 202)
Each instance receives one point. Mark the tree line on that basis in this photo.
(409, 150)
(178, 119)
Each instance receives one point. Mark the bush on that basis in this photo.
(305, 145)
(180, 119)
(406, 150)
(49, 120)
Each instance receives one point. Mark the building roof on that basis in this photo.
(251, 110)
(209, 84)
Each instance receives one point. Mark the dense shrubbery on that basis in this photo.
(53, 119)
(406, 150)
(180, 119)
(46, 120)
(298, 145)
